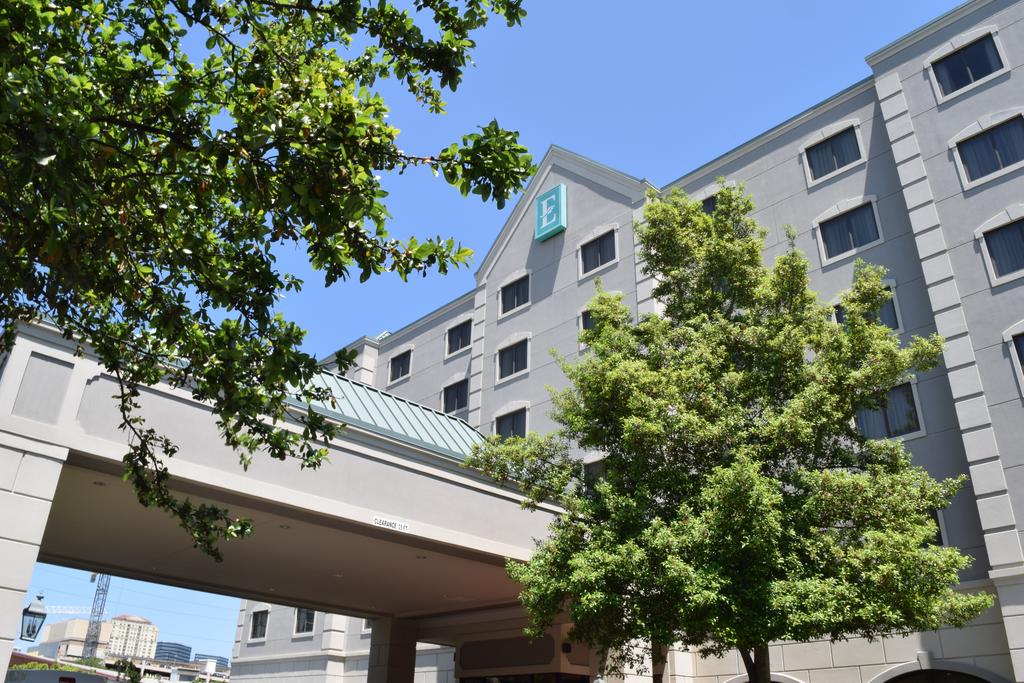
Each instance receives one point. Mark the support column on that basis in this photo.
(28, 478)
(392, 651)
(998, 524)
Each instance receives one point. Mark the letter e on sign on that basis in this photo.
(551, 213)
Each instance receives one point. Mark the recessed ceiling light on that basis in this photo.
(272, 590)
(337, 575)
(286, 526)
(421, 557)
(99, 483)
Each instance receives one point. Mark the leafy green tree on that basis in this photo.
(154, 154)
(737, 502)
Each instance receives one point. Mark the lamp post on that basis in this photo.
(32, 618)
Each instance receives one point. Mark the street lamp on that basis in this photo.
(32, 618)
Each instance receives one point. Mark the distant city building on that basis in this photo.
(221, 661)
(173, 652)
(66, 639)
(132, 637)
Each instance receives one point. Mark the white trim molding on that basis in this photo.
(261, 607)
(1018, 370)
(296, 634)
(824, 134)
(1010, 214)
(510, 407)
(512, 277)
(977, 128)
(957, 43)
(464, 318)
(591, 236)
(838, 209)
(921, 430)
(395, 353)
(512, 340)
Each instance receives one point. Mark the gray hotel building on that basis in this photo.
(918, 168)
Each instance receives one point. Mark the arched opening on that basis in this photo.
(936, 676)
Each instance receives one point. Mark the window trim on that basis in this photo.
(891, 284)
(959, 42)
(506, 343)
(845, 206)
(592, 236)
(266, 629)
(398, 351)
(452, 381)
(367, 626)
(517, 275)
(296, 633)
(940, 519)
(922, 430)
(1018, 369)
(1010, 214)
(977, 128)
(510, 407)
(824, 134)
(444, 339)
(708, 190)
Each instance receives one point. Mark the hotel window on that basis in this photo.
(258, 625)
(511, 424)
(1005, 248)
(515, 294)
(456, 396)
(992, 150)
(834, 153)
(709, 203)
(887, 315)
(897, 417)
(586, 320)
(967, 65)
(598, 252)
(512, 359)
(849, 231)
(459, 337)
(401, 365)
(1015, 338)
(304, 620)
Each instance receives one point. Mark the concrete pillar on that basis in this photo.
(392, 651)
(28, 478)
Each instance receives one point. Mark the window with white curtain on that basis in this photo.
(849, 230)
(1005, 247)
(896, 418)
(833, 153)
(993, 149)
(970, 63)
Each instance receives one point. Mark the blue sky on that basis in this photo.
(652, 88)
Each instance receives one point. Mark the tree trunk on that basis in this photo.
(757, 663)
(659, 655)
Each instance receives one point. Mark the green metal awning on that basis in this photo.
(369, 408)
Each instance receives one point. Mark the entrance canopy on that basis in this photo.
(392, 526)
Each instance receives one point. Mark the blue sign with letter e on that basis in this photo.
(551, 214)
